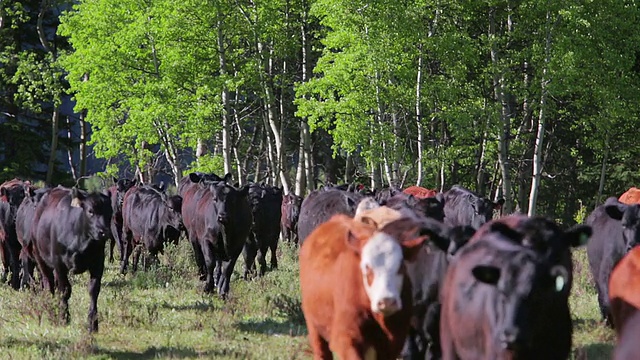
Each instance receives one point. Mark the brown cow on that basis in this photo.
(420, 192)
(356, 298)
(631, 196)
(624, 284)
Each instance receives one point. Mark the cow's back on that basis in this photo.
(321, 205)
(631, 196)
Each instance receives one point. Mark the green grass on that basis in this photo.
(163, 314)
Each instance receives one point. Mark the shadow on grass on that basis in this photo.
(587, 323)
(172, 353)
(270, 327)
(198, 305)
(594, 351)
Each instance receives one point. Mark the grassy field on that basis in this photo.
(163, 314)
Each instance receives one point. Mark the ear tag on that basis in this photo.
(75, 202)
(584, 239)
(559, 283)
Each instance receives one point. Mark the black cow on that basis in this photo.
(24, 223)
(321, 205)
(266, 203)
(431, 207)
(290, 212)
(501, 290)
(188, 187)
(72, 229)
(628, 346)
(151, 218)
(218, 220)
(117, 191)
(616, 229)
(385, 193)
(464, 207)
(11, 195)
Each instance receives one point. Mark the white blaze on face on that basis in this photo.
(380, 262)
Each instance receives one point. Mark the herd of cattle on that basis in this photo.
(411, 273)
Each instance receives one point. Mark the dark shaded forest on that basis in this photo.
(533, 101)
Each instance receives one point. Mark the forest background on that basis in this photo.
(536, 101)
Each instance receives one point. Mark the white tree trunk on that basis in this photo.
(418, 117)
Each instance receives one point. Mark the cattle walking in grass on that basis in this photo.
(505, 294)
(616, 230)
(218, 220)
(290, 212)
(72, 229)
(356, 297)
(464, 207)
(151, 219)
(12, 193)
(266, 204)
(117, 191)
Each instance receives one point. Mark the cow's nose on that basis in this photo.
(509, 337)
(388, 305)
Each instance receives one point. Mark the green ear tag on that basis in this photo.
(559, 283)
(584, 239)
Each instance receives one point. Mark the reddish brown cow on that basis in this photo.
(420, 192)
(356, 299)
(624, 285)
(631, 196)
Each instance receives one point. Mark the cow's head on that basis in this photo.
(122, 186)
(525, 283)
(382, 262)
(13, 192)
(97, 210)
(291, 206)
(629, 217)
(482, 209)
(174, 213)
(227, 199)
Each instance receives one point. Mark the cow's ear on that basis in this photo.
(3, 191)
(76, 200)
(578, 235)
(487, 274)
(614, 208)
(195, 178)
(227, 177)
(410, 248)
(438, 232)
(369, 221)
(498, 205)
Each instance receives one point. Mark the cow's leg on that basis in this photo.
(137, 251)
(127, 242)
(319, 346)
(95, 280)
(6, 260)
(210, 264)
(199, 256)
(286, 233)
(227, 271)
(116, 232)
(27, 268)
(15, 264)
(432, 321)
(262, 254)
(64, 289)
(249, 252)
(274, 248)
(603, 295)
(48, 282)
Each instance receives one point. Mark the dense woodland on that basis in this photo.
(535, 101)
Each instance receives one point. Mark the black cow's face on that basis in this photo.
(98, 211)
(174, 205)
(122, 186)
(292, 203)
(13, 195)
(524, 285)
(629, 217)
(482, 210)
(226, 200)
